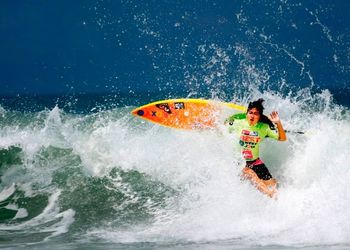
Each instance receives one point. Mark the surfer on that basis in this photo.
(252, 130)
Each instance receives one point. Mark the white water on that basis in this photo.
(204, 168)
(313, 171)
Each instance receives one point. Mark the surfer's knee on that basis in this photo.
(248, 173)
(271, 182)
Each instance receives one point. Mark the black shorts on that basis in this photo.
(260, 169)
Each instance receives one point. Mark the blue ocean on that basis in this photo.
(79, 171)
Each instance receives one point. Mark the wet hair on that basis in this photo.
(258, 106)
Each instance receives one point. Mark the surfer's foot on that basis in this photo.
(271, 191)
(272, 194)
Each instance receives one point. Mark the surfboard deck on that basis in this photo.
(188, 114)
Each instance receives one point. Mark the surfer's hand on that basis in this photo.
(229, 120)
(274, 117)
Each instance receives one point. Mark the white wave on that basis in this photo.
(58, 222)
(212, 203)
(7, 192)
(312, 169)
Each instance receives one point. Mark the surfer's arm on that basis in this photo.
(274, 117)
(229, 120)
(238, 116)
(235, 123)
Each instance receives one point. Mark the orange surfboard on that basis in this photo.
(187, 114)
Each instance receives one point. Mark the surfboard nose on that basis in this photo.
(138, 112)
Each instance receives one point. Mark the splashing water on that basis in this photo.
(101, 176)
(113, 177)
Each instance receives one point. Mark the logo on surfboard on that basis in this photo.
(164, 107)
(179, 105)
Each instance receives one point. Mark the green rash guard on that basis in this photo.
(250, 137)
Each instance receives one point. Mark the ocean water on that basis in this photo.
(106, 179)
(78, 171)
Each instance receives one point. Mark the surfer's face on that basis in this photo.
(253, 116)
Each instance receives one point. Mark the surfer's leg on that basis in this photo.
(266, 186)
(264, 174)
(271, 184)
